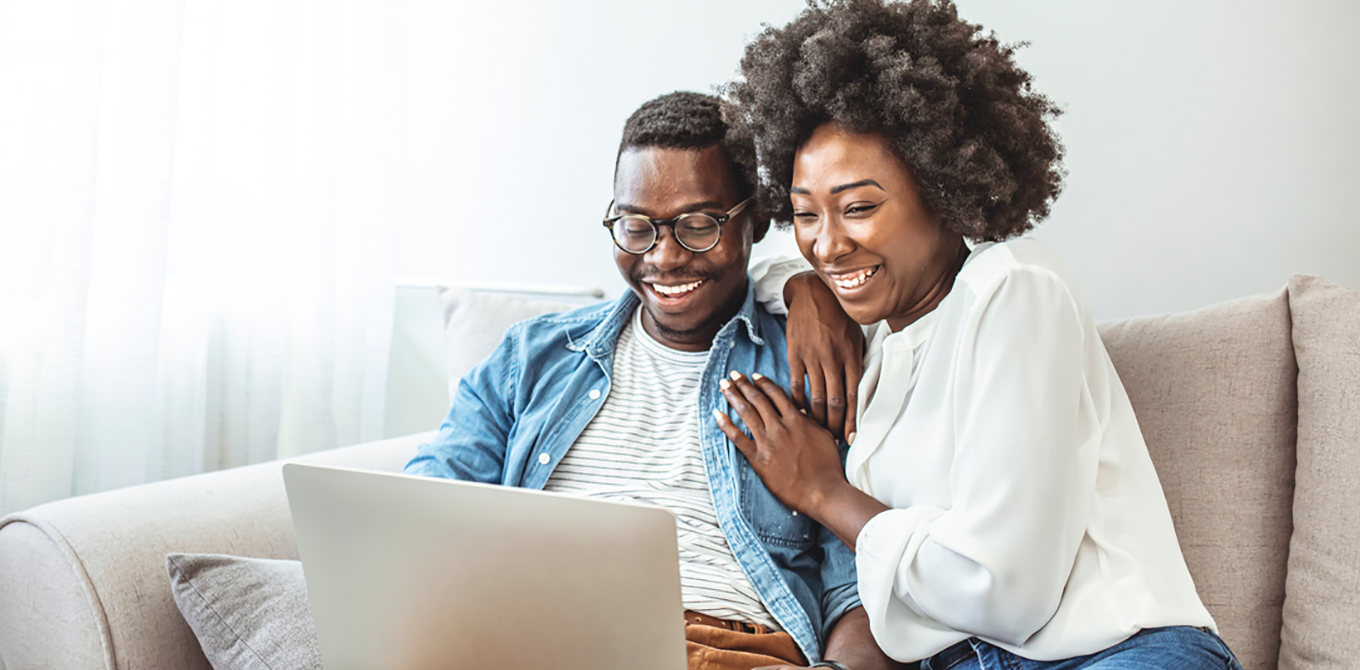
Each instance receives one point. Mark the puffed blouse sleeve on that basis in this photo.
(769, 276)
(1021, 483)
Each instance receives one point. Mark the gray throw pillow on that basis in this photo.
(248, 613)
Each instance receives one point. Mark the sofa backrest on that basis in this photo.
(1214, 391)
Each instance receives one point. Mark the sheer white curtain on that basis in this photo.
(197, 205)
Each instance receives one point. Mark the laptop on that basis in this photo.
(415, 573)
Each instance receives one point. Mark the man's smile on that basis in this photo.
(674, 290)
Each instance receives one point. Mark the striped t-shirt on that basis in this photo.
(643, 447)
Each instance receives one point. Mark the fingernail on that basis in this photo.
(849, 439)
(757, 376)
(717, 414)
(735, 375)
(725, 385)
(803, 411)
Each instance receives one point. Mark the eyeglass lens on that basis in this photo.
(696, 232)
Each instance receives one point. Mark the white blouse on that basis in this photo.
(1025, 509)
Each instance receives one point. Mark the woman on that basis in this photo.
(998, 493)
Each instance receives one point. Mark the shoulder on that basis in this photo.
(566, 326)
(1017, 272)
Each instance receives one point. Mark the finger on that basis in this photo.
(817, 397)
(776, 395)
(749, 414)
(835, 400)
(757, 398)
(745, 444)
(796, 376)
(854, 372)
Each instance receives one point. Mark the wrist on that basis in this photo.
(822, 498)
(791, 285)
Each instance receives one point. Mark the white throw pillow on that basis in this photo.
(474, 324)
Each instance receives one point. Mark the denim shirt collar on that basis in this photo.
(599, 343)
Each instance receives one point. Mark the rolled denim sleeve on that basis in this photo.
(472, 440)
(840, 580)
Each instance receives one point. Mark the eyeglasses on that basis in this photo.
(696, 231)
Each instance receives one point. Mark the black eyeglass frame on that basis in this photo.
(656, 224)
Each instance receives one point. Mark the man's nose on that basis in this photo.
(667, 255)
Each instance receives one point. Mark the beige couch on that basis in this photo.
(1251, 410)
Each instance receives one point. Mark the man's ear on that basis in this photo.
(762, 226)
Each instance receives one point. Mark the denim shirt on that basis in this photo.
(515, 416)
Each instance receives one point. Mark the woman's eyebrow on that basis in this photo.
(862, 182)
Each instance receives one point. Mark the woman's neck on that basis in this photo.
(949, 269)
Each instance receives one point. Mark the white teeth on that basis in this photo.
(676, 290)
(855, 279)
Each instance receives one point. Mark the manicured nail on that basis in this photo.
(803, 411)
(735, 375)
(757, 376)
(725, 385)
(849, 439)
(717, 414)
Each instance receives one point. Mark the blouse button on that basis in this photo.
(594, 394)
(543, 458)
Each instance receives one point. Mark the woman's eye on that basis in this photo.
(860, 209)
(804, 216)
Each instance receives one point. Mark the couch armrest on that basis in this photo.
(83, 582)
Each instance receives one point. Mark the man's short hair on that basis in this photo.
(687, 120)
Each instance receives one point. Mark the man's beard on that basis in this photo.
(716, 318)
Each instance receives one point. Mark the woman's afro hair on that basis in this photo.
(951, 103)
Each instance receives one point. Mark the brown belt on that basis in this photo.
(693, 618)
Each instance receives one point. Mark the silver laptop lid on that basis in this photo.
(411, 572)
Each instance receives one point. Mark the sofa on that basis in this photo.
(1250, 408)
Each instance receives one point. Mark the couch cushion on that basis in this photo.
(1214, 394)
(1323, 588)
(247, 613)
(474, 324)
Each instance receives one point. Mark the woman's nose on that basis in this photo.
(832, 242)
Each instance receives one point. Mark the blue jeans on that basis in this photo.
(1171, 648)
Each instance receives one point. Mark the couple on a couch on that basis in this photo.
(992, 500)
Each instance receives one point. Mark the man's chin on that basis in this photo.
(673, 325)
(678, 330)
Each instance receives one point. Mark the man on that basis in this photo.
(614, 401)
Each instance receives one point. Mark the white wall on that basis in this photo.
(1212, 145)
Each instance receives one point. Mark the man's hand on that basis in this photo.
(853, 645)
(827, 347)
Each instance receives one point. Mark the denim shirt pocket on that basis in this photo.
(772, 522)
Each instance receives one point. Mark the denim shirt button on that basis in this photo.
(732, 344)
(544, 458)
(594, 394)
